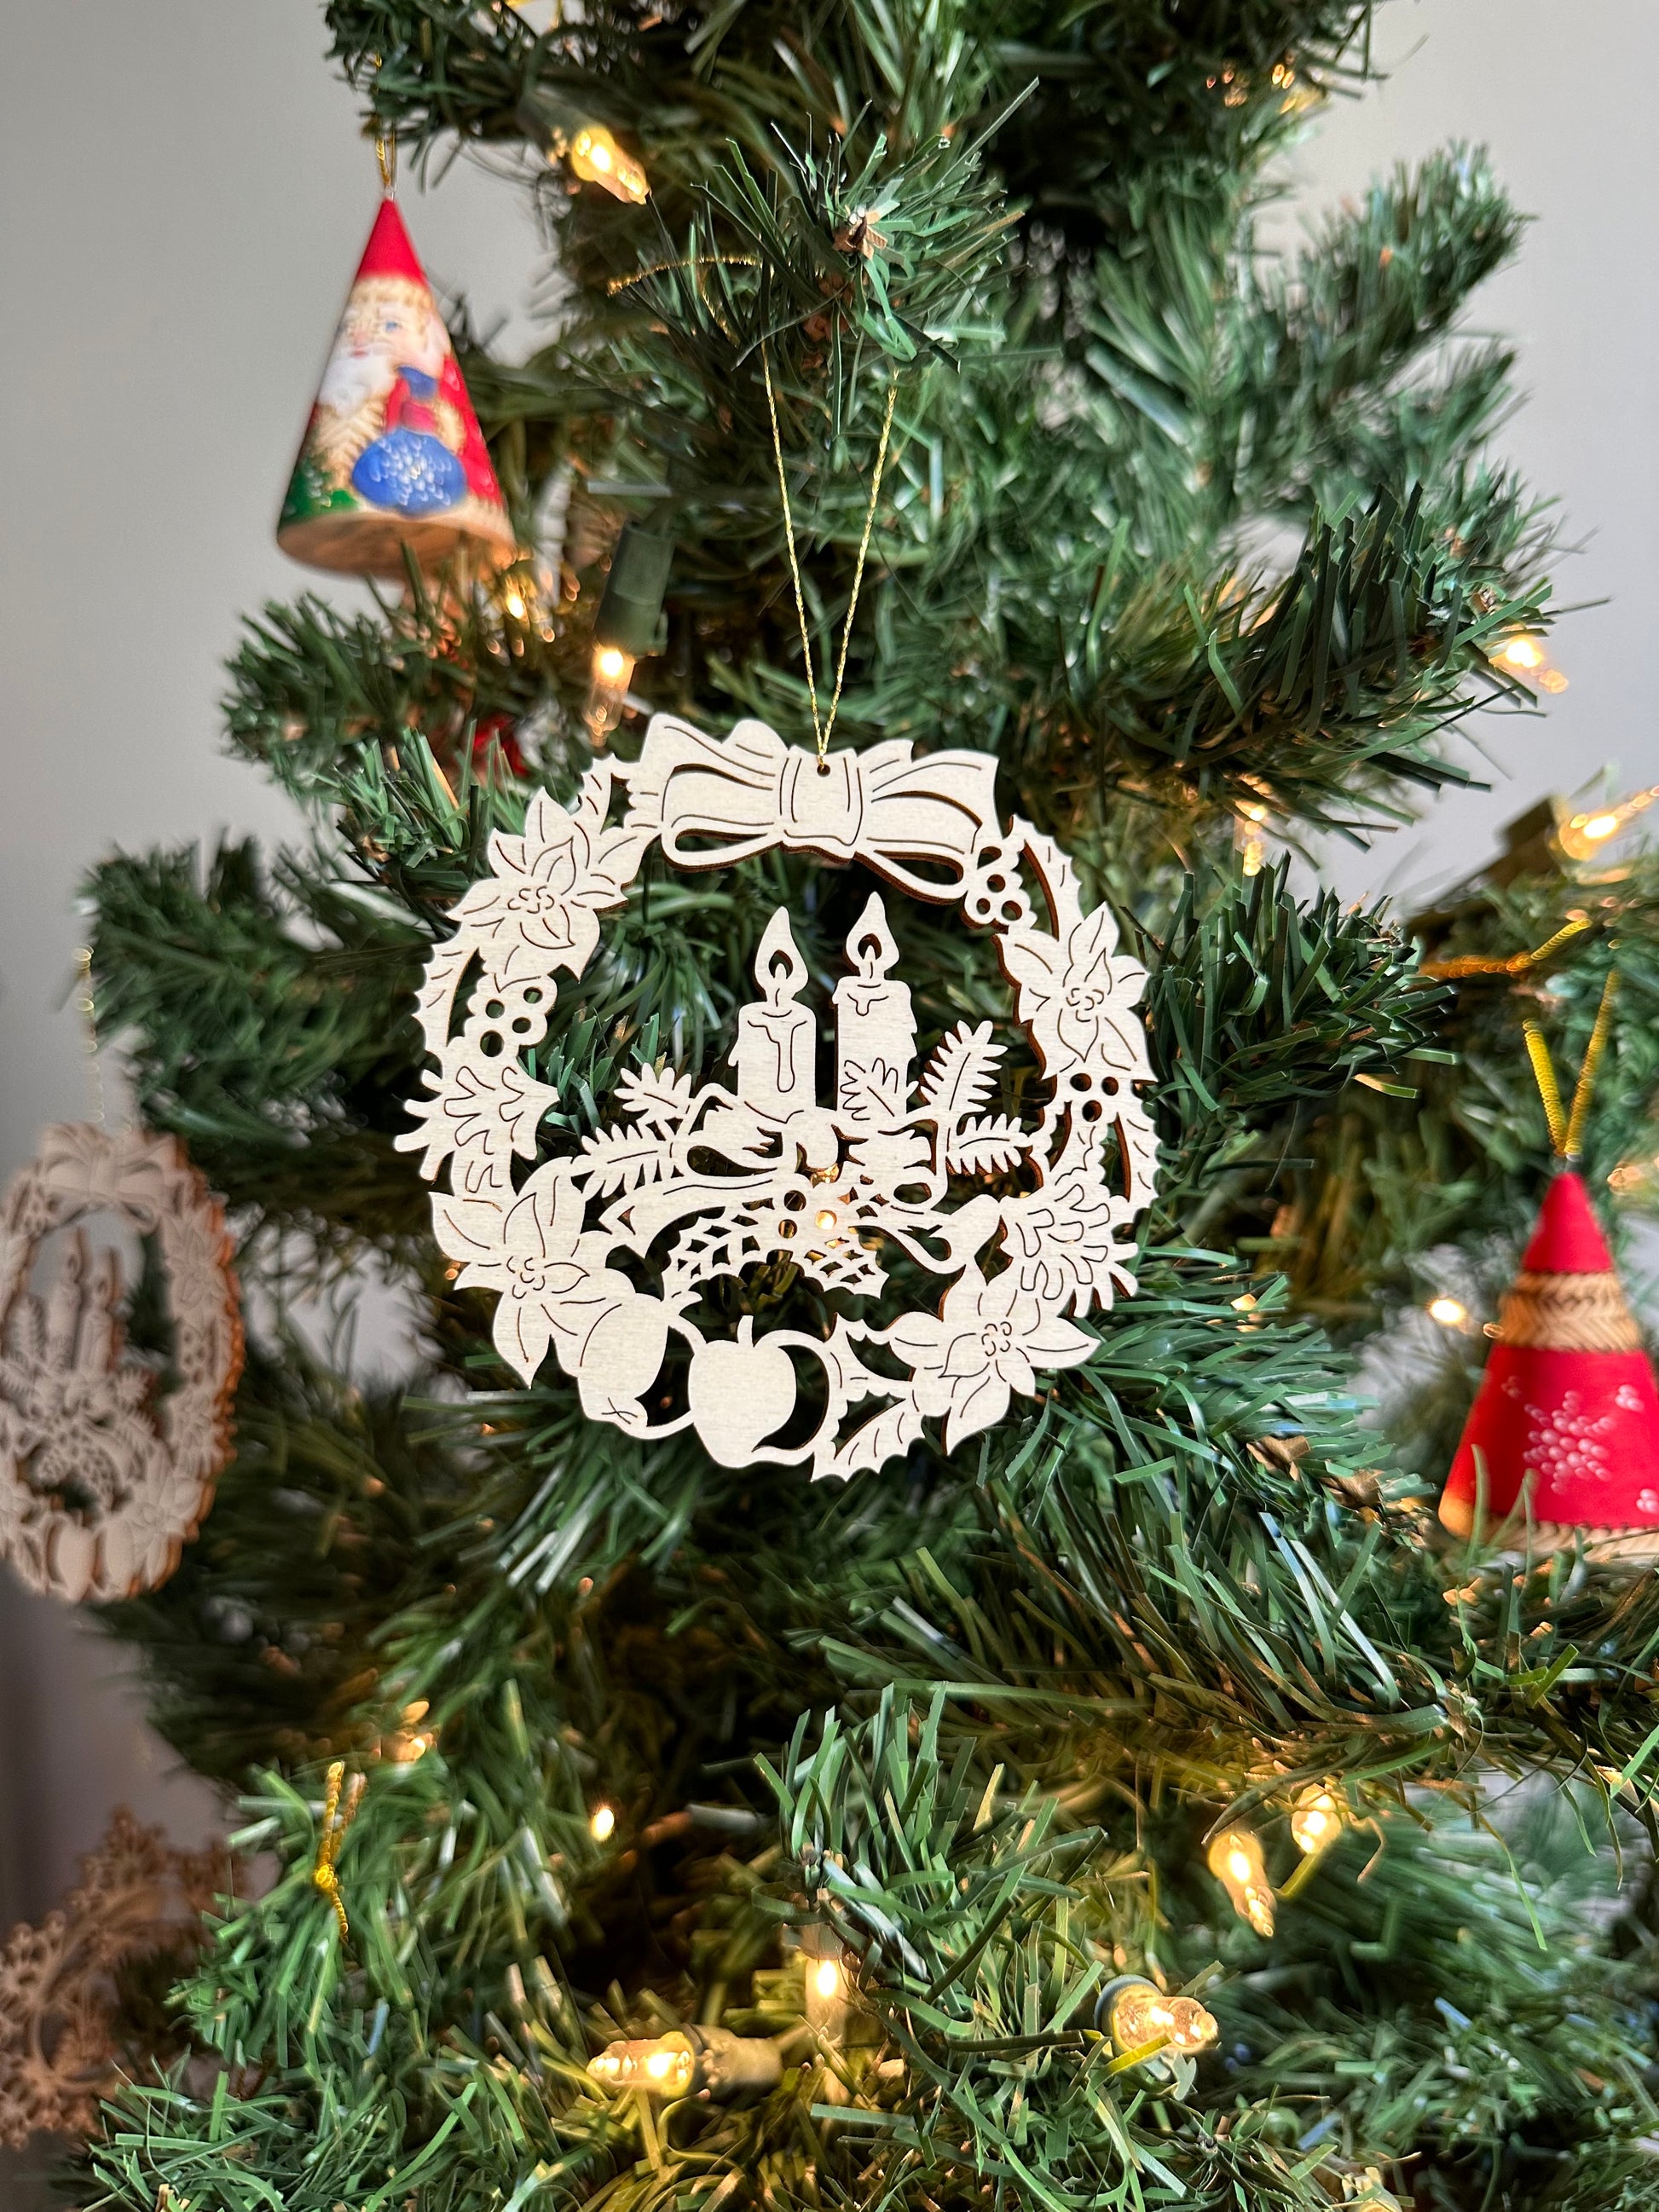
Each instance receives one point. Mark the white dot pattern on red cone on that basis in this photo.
(1563, 1441)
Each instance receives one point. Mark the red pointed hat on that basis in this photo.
(1564, 1432)
(392, 460)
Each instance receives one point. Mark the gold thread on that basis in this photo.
(87, 1007)
(1513, 963)
(1539, 1053)
(337, 1819)
(789, 536)
(386, 152)
(821, 729)
(1586, 1074)
(692, 261)
(858, 572)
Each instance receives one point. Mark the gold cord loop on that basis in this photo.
(1566, 1128)
(822, 727)
(386, 152)
(86, 1007)
(1586, 1074)
(1514, 963)
(337, 1819)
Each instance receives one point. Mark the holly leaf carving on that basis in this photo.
(621, 1159)
(893, 1430)
(985, 1143)
(962, 1074)
(659, 1098)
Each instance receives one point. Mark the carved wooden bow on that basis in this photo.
(722, 800)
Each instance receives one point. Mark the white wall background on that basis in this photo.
(184, 198)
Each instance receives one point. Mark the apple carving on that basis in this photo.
(622, 1355)
(739, 1393)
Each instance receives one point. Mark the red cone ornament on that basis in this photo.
(392, 458)
(1566, 1423)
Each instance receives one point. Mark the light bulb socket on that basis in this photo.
(630, 616)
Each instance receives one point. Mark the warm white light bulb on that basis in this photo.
(603, 1826)
(1315, 1818)
(1600, 826)
(613, 671)
(1450, 1313)
(1235, 1859)
(599, 160)
(1141, 2014)
(826, 1978)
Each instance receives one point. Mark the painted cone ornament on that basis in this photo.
(392, 460)
(1564, 1437)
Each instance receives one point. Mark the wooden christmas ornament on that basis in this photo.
(101, 1480)
(696, 1181)
(392, 460)
(65, 2043)
(1563, 1440)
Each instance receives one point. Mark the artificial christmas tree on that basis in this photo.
(642, 1822)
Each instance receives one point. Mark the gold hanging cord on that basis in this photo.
(1514, 963)
(822, 727)
(1566, 1127)
(86, 1007)
(337, 1819)
(386, 152)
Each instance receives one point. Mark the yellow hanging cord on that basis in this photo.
(821, 729)
(86, 1007)
(337, 1819)
(1514, 963)
(1567, 1129)
(1593, 1053)
(1539, 1053)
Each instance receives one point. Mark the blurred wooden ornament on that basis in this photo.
(64, 2042)
(103, 1480)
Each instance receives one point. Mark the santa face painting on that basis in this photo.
(382, 416)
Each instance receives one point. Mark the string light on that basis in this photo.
(613, 671)
(1235, 1861)
(1315, 1819)
(1450, 1313)
(663, 2065)
(1583, 835)
(629, 623)
(1524, 656)
(826, 1978)
(1138, 2012)
(603, 1824)
(690, 2061)
(597, 158)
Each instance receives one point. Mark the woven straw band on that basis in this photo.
(1568, 1313)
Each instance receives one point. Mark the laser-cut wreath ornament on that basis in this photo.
(695, 1181)
(101, 1485)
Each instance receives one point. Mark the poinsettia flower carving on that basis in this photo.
(985, 1342)
(1078, 994)
(547, 888)
(551, 1281)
